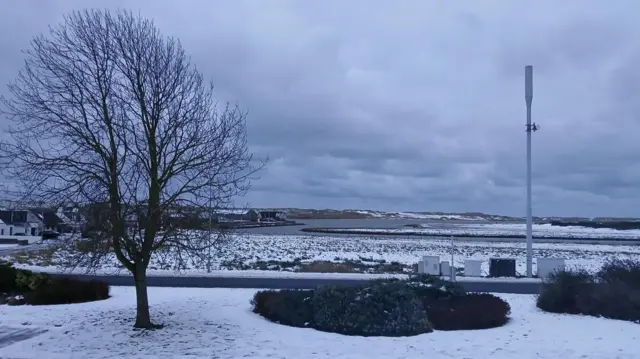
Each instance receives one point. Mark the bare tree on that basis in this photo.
(109, 114)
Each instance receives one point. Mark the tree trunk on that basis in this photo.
(143, 318)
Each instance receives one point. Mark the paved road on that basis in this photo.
(9, 335)
(523, 287)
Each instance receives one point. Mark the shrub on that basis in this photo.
(67, 291)
(625, 271)
(614, 300)
(466, 312)
(13, 280)
(287, 307)
(7, 277)
(614, 292)
(28, 281)
(433, 287)
(384, 307)
(380, 308)
(563, 291)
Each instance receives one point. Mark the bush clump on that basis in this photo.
(427, 286)
(386, 307)
(7, 277)
(381, 309)
(467, 312)
(67, 291)
(613, 292)
(563, 291)
(288, 307)
(20, 286)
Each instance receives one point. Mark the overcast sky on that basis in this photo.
(412, 105)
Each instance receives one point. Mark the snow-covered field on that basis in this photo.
(507, 229)
(418, 215)
(218, 323)
(248, 251)
(30, 239)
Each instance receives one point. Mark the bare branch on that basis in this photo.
(110, 114)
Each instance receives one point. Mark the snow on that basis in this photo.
(8, 246)
(247, 249)
(218, 323)
(506, 229)
(417, 215)
(30, 239)
(264, 274)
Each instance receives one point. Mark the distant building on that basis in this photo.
(3, 228)
(266, 216)
(21, 223)
(253, 215)
(61, 220)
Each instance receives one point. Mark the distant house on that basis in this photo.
(73, 217)
(229, 215)
(253, 215)
(3, 228)
(273, 215)
(266, 216)
(21, 222)
(59, 220)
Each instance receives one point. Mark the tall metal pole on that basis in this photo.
(210, 230)
(528, 96)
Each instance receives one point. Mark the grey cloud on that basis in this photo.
(413, 105)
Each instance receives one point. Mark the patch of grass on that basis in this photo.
(327, 267)
(43, 257)
(338, 265)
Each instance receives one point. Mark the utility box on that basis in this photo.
(429, 265)
(472, 268)
(445, 269)
(502, 267)
(547, 266)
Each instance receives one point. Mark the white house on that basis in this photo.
(3, 228)
(20, 222)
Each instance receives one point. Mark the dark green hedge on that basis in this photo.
(613, 292)
(19, 286)
(387, 307)
(382, 309)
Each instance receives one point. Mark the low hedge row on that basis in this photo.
(613, 292)
(384, 308)
(19, 286)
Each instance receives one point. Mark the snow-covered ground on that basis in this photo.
(507, 229)
(433, 216)
(30, 239)
(8, 246)
(242, 252)
(218, 323)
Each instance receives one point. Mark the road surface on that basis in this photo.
(491, 286)
(12, 335)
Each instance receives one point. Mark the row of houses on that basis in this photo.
(252, 215)
(36, 221)
(230, 215)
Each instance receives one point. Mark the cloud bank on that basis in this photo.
(412, 105)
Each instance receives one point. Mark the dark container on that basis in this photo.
(502, 267)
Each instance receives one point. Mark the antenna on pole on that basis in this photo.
(531, 127)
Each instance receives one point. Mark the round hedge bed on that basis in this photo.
(388, 307)
(20, 286)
